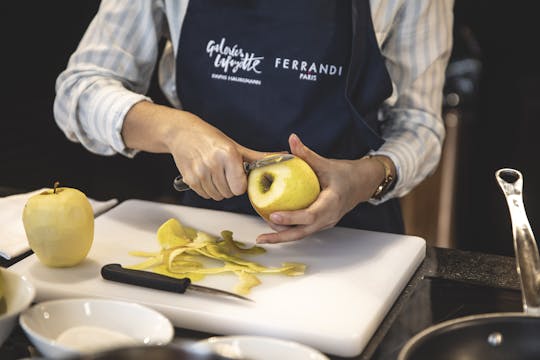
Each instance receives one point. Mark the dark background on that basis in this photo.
(503, 124)
(33, 151)
(500, 123)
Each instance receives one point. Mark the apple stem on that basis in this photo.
(56, 184)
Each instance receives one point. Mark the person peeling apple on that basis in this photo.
(351, 88)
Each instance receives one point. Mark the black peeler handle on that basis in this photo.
(179, 184)
(115, 272)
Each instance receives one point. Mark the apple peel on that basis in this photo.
(185, 251)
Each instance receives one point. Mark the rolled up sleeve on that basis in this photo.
(109, 72)
(417, 53)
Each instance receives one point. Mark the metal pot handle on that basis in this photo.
(526, 250)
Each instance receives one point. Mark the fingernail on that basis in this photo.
(276, 218)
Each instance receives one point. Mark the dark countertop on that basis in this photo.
(449, 283)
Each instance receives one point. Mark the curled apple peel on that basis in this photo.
(187, 252)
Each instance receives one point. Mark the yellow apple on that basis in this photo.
(59, 225)
(287, 185)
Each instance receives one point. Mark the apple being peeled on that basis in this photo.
(59, 225)
(284, 186)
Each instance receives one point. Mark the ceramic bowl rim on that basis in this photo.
(21, 282)
(265, 338)
(168, 335)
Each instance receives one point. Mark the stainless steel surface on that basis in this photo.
(269, 160)
(495, 339)
(208, 290)
(180, 185)
(526, 250)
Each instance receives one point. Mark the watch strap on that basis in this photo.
(386, 183)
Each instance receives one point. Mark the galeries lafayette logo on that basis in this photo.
(233, 57)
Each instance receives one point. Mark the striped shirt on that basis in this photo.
(112, 67)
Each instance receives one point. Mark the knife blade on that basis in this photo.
(115, 272)
(180, 185)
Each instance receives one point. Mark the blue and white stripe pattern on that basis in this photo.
(111, 70)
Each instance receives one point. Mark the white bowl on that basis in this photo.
(72, 327)
(259, 348)
(19, 294)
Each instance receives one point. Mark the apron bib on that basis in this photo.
(259, 70)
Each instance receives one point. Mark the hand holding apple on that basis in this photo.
(284, 186)
(344, 184)
(59, 225)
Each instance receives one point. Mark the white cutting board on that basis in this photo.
(352, 278)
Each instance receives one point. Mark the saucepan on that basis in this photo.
(503, 335)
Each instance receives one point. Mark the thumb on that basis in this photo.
(251, 155)
(302, 151)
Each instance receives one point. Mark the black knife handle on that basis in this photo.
(115, 272)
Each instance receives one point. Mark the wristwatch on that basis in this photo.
(388, 180)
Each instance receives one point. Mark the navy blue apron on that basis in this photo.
(260, 70)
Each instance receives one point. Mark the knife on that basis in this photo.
(180, 185)
(115, 272)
